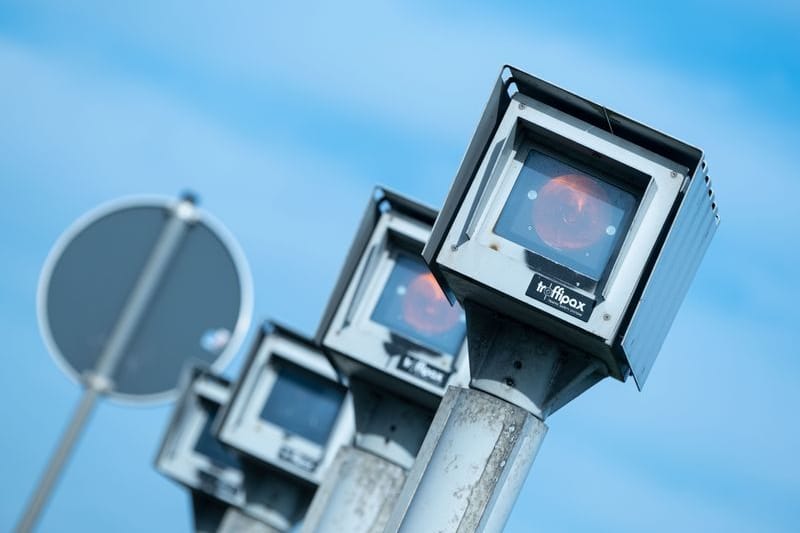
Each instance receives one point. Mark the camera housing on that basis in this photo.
(575, 220)
(289, 409)
(387, 321)
(189, 452)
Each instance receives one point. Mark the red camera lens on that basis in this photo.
(571, 221)
(425, 307)
(412, 305)
(571, 212)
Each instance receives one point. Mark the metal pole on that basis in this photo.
(483, 440)
(470, 468)
(58, 459)
(235, 521)
(361, 486)
(100, 380)
(144, 290)
(214, 516)
(276, 499)
(357, 494)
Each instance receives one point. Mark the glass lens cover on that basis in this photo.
(303, 403)
(566, 215)
(413, 306)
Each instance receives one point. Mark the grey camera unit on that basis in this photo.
(387, 321)
(389, 328)
(189, 452)
(191, 455)
(576, 220)
(288, 409)
(570, 236)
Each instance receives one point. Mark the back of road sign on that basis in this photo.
(200, 309)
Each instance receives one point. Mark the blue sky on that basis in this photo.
(282, 117)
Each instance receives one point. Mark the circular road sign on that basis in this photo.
(197, 307)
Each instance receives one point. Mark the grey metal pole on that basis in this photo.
(273, 498)
(361, 486)
(146, 285)
(58, 459)
(483, 440)
(214, 516)
(357, 495)
(235, 521)
(471, 467)
(100, 380)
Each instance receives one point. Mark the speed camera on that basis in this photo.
(288, 409)
(387, 321)
(576, 220)
(191, 455)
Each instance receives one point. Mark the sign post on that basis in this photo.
(156, 285)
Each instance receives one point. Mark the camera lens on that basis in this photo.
(425, 307)
(413, 306)
(571, 212)
(303, 403)
(569, 219)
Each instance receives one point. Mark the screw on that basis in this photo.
(453, 247)
(673, 174)
(509, 382)
(522, 106)
(606, 317)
